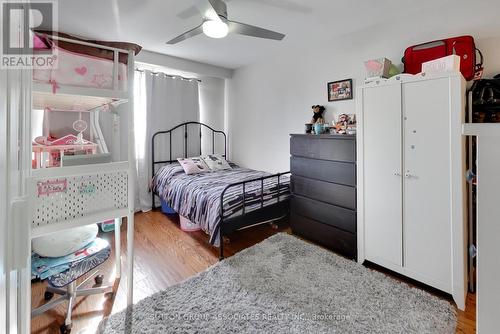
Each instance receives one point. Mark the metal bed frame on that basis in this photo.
(228, 223)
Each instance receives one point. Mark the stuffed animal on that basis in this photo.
(318, 114)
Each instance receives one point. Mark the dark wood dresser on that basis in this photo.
(323, 205)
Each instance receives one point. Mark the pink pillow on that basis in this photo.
(193, 165)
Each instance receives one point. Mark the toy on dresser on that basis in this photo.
(318, 114)
(48, 152)
(317, 121)
(346, 124)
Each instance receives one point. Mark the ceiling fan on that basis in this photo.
(217, 25)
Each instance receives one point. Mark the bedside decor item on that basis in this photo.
(318, 128)
(346, 123)
(340, 90)
(326, 128)
(308, 128)
(377, 68)
(318, 114)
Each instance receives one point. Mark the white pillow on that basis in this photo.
(216, 162)
(64, 242)
(194, 165)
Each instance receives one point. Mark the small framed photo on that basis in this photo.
(340, 90)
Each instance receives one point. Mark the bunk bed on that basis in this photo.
(87, 190)
(220, 202)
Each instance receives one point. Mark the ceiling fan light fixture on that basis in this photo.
(215, 28)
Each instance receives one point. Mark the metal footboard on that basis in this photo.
(264, 213)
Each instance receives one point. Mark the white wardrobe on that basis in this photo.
(411, 167)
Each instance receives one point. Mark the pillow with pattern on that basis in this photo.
(194, 165)
(216, 162)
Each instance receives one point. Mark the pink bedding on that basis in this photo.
(81, 70)
(82, 66)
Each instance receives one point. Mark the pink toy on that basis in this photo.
(67, 145)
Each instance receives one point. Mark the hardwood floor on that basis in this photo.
(164, 255)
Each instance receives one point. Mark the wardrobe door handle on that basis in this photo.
(397, 174)
(408, 175)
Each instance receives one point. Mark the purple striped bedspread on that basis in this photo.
(197, 197)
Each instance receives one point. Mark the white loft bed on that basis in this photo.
(112, 195)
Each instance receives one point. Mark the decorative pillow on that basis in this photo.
(216, 162)
(65, 242)
(193, 165)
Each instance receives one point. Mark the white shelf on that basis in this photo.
(481, 129)
(80, 170)
(75, 98)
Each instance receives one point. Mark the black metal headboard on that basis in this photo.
(185, 127)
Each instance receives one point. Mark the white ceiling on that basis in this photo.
(151, 23)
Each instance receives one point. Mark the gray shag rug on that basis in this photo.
(286, 285)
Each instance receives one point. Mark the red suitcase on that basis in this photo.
(462, 46)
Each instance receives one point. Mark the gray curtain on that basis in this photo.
(160, 103)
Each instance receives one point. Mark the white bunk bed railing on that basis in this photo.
(116, 52)
(60, 96)
(78, 195)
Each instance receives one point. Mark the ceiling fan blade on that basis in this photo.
(249, 30)
(191, 33)
(208, 9)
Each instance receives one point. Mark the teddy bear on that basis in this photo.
(318, 114)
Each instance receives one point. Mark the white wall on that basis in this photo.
(212, 101)
(185, 65)
(271, 99)
(212, 110)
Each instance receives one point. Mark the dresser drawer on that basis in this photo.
(323, 170)
(328, 214)
(336, 149)
(332, 193)
(341, 241)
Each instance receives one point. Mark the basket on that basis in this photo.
(377, 68)
(187, 225)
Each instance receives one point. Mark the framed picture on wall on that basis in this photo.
(340, 90)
